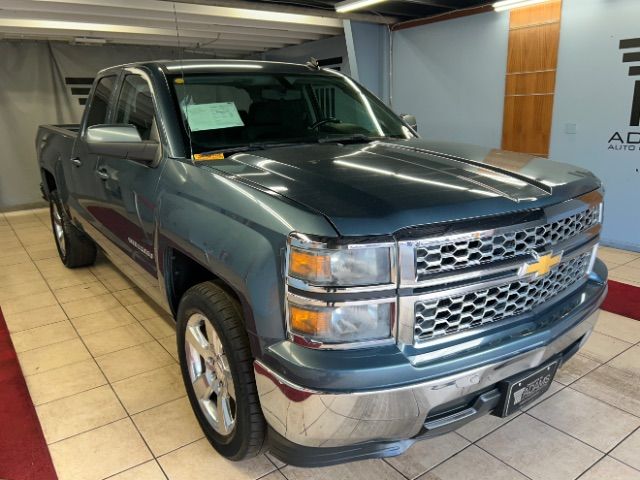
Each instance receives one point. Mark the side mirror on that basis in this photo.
(410, 120)
(122, 141)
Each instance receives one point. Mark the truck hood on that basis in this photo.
(381, 187)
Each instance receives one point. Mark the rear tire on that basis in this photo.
(75, 248)
(217, 369)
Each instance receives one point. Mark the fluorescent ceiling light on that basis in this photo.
(350, 5)
(213, 65)
(90, 40)
(509, 4)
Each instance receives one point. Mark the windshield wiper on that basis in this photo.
(355, 138)
(250, 147)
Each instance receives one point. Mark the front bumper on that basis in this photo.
(309, 426)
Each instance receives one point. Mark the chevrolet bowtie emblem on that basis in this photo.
(543, 264)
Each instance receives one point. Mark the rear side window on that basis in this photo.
(100, 102)
(135, 106)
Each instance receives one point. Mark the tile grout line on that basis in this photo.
(103, 374)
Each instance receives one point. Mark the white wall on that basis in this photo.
(451, 76)
(371, 45)
(594, 92)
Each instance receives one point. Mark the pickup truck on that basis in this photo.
(341, 287)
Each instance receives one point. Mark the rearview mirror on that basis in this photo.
(410, 120)
(122, 141)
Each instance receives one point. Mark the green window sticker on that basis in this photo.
(213, 116)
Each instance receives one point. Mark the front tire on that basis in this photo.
(75, 248)
(217, 369)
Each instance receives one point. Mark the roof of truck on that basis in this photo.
(218, 65)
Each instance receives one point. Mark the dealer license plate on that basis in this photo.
(520, 391)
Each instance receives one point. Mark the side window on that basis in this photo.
(135, 106)
(100, 102)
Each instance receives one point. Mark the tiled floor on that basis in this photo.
(100, 363)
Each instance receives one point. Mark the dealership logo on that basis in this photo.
(630, 140)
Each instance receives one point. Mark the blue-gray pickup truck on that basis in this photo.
(341, 288)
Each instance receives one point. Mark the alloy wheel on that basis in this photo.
(210, 374)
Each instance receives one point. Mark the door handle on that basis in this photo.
(102, 174)
(76, 161)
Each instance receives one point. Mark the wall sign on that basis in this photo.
(629, 140)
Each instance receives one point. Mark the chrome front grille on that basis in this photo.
(452, 314)
(468, 250)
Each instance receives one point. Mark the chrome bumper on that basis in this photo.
(315, 418)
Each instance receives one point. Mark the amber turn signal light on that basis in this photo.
(309, 265)
(310, 322)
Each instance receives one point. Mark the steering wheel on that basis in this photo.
(323, 121)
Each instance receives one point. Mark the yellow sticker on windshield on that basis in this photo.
(200, 157)
(179, 81)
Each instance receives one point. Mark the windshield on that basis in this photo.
(226, 111)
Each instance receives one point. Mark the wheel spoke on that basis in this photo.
(202, 387)
(195, 339)
(224, 414)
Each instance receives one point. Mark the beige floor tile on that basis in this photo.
(99, 453)
(180, 464)
(105, 320)
(616, 256)
(169, 344)
(426, 454)
(168, 427)
(274, 476)
(115, 283)
(611, 469)
(78, 292)
(475, 430)
(18, 278)
(130, 296)
(22, 289)
(618, 326)
(52, 356)
(86, 306)
(473, 463)
(577, 367)
(634, 263)
(276, 461)
(146, 471)
(592, 421)
(43, 336)
(629, 450)
(613, 386)
(150, 389)
(625, 273)
(134, 360)
(41, 251)
(14, 259)
(159, 327)
(538, 450)
(367, 469)
(118, 338)
(28, 303)
(69, 278)
(64, 381)
(7, 251)
(145, 310)
(603, 348)
(79, 413)
(35, 318)
(629, 361)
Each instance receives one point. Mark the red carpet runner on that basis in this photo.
(23, 450)
(623, 299)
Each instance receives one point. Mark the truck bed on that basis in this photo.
(54, 145)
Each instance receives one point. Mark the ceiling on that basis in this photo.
(227, 29)
(400, 9)
(218, 28)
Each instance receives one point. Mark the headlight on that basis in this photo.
(342, 324)
(344, 267)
